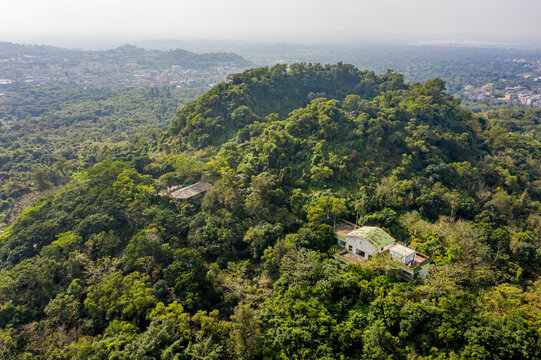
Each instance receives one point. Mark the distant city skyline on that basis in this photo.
(118, 21)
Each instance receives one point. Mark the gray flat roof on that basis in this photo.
(190, 191)
(402, 250)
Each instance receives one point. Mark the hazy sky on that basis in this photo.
(283, 20)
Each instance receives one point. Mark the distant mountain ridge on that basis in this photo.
(170, 57)
(8, 49)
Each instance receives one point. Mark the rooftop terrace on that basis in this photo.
(345, 256)
(342, 228)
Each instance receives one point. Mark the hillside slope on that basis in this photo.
(107, 268)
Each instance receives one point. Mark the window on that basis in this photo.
(360, 253)
(350, 248)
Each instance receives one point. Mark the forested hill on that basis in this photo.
(109, 267)
(256, 93)
(156, 58)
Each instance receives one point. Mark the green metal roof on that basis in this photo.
(374, 235)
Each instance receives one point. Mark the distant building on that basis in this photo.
(509, 97)
(189, 193)
(360, 243)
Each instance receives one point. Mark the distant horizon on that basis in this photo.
(94, 43)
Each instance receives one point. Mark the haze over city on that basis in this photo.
(104, 22)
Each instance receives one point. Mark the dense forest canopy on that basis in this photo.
(110, 267)
(47, 133)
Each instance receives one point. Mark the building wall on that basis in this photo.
(355, 244)
(340, 240)
(409, 259)
(423, 273)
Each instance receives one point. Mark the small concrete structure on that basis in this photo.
(189, 193)
(402, 254)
